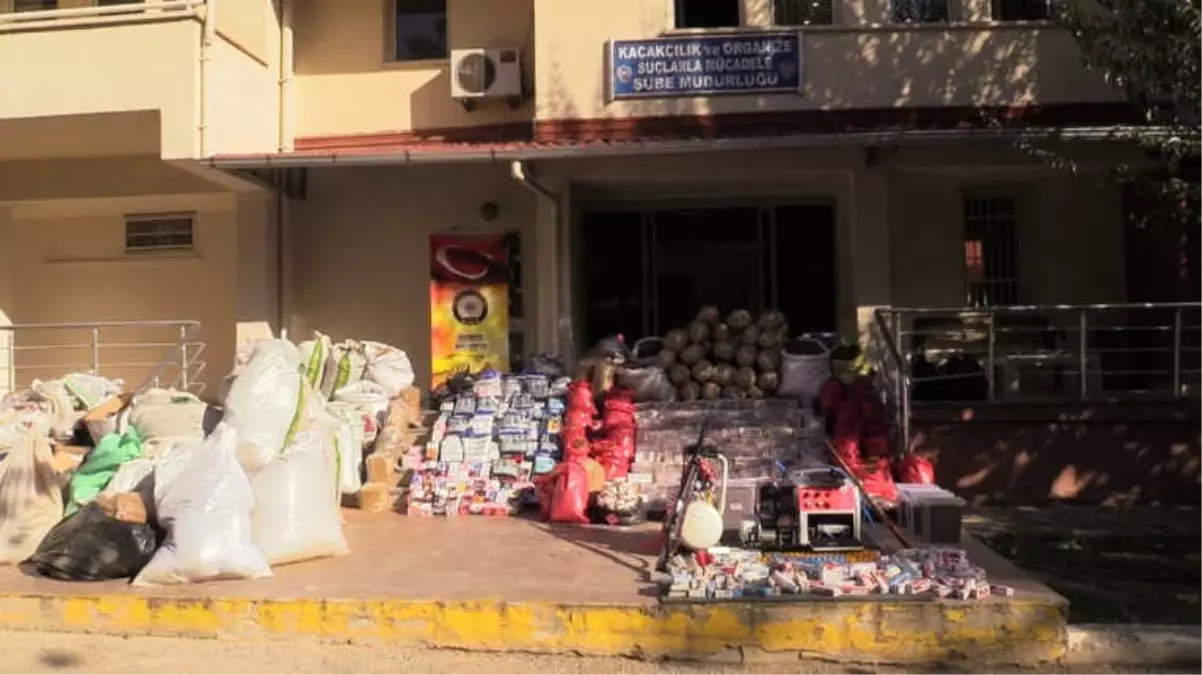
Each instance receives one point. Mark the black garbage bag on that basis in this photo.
(90, 545)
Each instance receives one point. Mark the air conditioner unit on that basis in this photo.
(486, 73)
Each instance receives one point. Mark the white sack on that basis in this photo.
(262, 403)
(91, 390)
(313, 357)
(31, 498)
(129, 476)
(292, 521)
(345, 366)
(368, 398)
(204, 501)
(388, 367)
(54, 397)
(349, 448)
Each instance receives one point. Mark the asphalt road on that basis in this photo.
(69, 653)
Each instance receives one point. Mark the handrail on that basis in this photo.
(1018, 309)
(1138, 359)
(185, 350)
(99, 10)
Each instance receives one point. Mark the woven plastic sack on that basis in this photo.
(204, 501)
(263, 403)
(344, 367)
(31, 498)
(804, 367)
(291, 521)
(388, 367)
(313, 356)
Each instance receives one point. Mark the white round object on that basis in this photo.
(702, 526)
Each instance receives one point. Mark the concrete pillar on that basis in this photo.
(258, 305)
(7, 296)
(869, 244)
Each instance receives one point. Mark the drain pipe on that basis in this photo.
(563, 333)
(286, 76)
(208, 38)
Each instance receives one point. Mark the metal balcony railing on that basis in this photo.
(142, 353)
(158, 10)
(1035, 353)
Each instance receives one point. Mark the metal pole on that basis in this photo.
(95, 350)
(183, 357)
(1177, 352)
(1084, 365)
(990, 371)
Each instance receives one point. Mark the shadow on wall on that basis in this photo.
(1117, 454)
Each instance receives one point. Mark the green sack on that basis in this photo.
(101, 464)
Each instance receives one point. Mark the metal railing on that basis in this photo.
(158, 10)
(142, 353)
(1035, 353)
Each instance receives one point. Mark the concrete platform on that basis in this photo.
(514, 585)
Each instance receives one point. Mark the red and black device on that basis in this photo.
(817, 509)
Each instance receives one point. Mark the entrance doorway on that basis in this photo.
(647, 271)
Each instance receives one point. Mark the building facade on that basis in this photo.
(259, 165)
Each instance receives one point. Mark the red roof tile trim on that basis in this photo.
(561, 133)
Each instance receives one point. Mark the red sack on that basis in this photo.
(569, 494)
(580, 397)
(914, 469)
(575, 444)
(848, 450)
(831, 396)
(878, 482)
(875, 446)
(849, 421)
(861, 389)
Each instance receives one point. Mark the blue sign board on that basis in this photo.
(745, 63)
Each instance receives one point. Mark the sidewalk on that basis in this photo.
(497, 584)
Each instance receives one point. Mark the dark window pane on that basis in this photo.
(34, 5)
(707, 13)
(920, 11)
(421, 29)
(1021, 10)
(802, 12)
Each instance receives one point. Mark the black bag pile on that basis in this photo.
(735, 358)
(90, 545)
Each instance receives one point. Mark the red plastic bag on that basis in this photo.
(575, 444)
(861, 389)
(831, 396)
(878, 482)
(848, 450)
(915, 469)
(875, 446)
(568, 494)
(850, 420)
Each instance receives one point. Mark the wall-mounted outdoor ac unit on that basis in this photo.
(486, 73)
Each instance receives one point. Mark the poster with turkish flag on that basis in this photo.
(469, 304)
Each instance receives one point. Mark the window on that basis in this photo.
(158, 233)
(421, 30)
(802, 12)
(1022, 10)
(109, 3)
(708, 14)
(34, 5)
(920, 11)
(991, 250)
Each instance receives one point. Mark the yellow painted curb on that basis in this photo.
(898, 631)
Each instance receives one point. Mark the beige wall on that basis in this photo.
(245, 104)
(346, 82)
(360, 247)
(73, 269)
(114, 68)
(360, 267)
(842, 66)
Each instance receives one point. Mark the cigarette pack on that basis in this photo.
(1004, 591)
